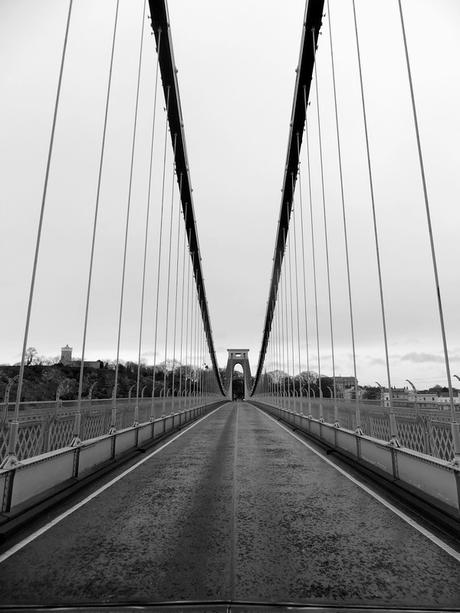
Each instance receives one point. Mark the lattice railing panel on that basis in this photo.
(442, 445)
(379, 427)
(347, 418)
(93, 425)
(412, 434)
(44, 428)
(61, 431)
(144, 413)
(328, 414)
(126, 418)
(29, 440)
(3, 440)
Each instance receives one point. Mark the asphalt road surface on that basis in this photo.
(235, 508)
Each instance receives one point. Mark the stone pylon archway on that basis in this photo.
(238, 356)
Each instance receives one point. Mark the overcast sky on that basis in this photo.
(236, 63)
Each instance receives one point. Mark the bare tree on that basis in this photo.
(31, 356)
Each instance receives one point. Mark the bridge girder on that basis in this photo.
(311, 27)
(160, 24)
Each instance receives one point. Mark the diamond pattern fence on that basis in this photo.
(424, 431)
(47, 426)
(3, 439)
(30, 439)
(61, 430)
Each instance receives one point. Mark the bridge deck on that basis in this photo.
(234, 508)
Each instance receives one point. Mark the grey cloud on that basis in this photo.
(375, 361)
(427, 357)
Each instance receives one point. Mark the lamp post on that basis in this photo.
(59, 391)
(6, 398)
(130, 391)
(415, 391)
(205, 382)
(90, 392)
(382, 400)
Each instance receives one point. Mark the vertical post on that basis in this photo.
(113, 419)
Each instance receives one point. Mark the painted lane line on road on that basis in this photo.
(234, 547)
(7, 554)
(433, 538)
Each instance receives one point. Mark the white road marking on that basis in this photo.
(234, 548)
(7, 554)
(433, 538)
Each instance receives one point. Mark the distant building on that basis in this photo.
(345, 381)
(425, 400)
(420, 400)
(350, 393)
(343, 385)
(444, 401)
(66, 360)
(400, 394)
(66, 355)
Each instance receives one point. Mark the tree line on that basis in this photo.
(45, 382)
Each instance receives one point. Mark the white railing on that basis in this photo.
(425, 430)
(35, 479)
(47, 426)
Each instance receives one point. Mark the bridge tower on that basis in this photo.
(238, 356)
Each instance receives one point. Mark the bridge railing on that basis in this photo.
(423, 430)
(37, 480)
(48, 426)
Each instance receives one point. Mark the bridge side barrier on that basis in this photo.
(435, 481)
(48, 425)
(38, 478)
(425, 430)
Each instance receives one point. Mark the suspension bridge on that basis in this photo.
(170, 494)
